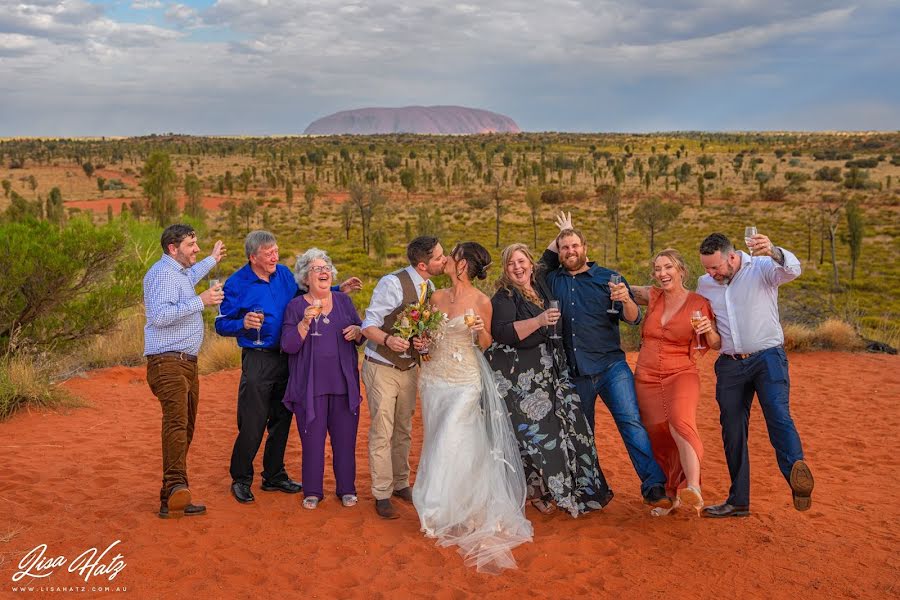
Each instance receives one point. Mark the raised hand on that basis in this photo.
(564, 220)
(760, 245)
(219, 251)
(353, 284)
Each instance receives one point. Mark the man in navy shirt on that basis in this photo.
(262, 286)
(591, 339)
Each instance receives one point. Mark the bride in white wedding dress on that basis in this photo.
(470, 486)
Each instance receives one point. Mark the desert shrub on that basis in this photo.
(832, 334)
(218, 353)
(115, 184)
(23, 383)
(773, 194)
(828, 174)
(709, 175)
(831, 154)
(478, 202)
(862, 163)
(59, 286)
(553, 196)
(123, 344)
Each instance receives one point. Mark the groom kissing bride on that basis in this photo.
(470, 485)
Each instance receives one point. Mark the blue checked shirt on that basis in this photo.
(174, 310)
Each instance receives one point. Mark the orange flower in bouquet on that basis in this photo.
(420, 319)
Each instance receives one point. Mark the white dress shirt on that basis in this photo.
(386, 297)
(747, 308)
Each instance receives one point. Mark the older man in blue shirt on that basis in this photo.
(172, 338)
(591, 339)
(743, 293)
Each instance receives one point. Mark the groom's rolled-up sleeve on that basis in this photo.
(387, 295)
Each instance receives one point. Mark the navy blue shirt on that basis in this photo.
(590, 334)
(244, 290)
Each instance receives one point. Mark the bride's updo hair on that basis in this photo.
(477, 258)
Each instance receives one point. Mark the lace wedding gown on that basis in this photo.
(470, 485)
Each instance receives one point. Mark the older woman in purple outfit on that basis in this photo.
(320, 332)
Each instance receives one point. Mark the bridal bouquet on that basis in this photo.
(420, 319)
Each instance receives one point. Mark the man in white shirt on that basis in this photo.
(743, 292)
(390, 378)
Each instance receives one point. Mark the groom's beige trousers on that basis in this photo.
(391, 394)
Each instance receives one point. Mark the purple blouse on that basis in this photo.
(320, 365)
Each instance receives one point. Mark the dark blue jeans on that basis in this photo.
(766, 375)
(616, 388)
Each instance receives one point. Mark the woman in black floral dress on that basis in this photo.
(555, 440)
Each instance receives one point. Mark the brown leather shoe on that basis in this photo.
(179, 498)
(404, 494)
(385, 509)
(801, 485)
(718, 511)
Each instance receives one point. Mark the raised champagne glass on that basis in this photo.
(262, 317)
(215, 282)
(749, 232)
(316, 305)
(470, 320)
(696, 317)
(555, 332)
(614, 279)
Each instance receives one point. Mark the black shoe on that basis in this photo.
(801, 485)
(656, 497)
(191, 510)
(285, 485)
(726, 510)
(404, 494)
(385, 509)
(242, 493)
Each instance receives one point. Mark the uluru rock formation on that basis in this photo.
(413, 119)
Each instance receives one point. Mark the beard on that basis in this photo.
(574, 263)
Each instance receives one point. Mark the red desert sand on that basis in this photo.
(89, 477)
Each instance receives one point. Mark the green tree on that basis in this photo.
(246, 210)
(347, 218)
(497, 195)
(368, 202)
(855, 233)
(33, 183)
(88, 169)
(533, 201)
(653, 215)
(289, 194)
(408, 181)
(56, 211)
(159, 182)
(612, 200)
(7, 187)
(193, 191)
(309, 194)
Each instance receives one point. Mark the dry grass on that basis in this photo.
(124, 345)
(218, 353)
(830, 335)
(25, 383)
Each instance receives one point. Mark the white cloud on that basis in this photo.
(146, 4)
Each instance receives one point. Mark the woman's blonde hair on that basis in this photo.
(504, 282)
(676, 258)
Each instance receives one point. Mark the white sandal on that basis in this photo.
(349, 500)
(662, 512)
(311, 502)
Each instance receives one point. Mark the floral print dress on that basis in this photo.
(555, 441)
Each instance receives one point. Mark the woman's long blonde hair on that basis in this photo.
(504, 282)
(676, 258)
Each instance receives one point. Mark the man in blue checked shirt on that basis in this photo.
(593, 348)
(255, 298)
(172, 339)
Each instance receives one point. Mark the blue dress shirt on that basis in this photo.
(590, 334)
(244, 290)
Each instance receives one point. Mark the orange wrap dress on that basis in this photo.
(668, 384)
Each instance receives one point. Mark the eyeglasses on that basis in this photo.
(321, 269)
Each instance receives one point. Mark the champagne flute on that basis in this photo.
(696, 317)
(469, 318)
(614, 279)
(262, 317)
(749, 232)
(316, 304)
(555, 335)
(215, 282)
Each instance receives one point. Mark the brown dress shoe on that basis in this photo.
(179, 497)
(385, 509)
(801, 485)
(404, 494)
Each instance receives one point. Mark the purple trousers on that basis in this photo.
(333, 417)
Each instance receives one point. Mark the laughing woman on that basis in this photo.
(555, 441)
(320, 332)
(666, 377)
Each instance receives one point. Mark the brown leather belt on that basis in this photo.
(742, 356)
(178, 355)
(384, 363)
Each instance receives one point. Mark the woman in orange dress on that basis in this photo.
(666, 377)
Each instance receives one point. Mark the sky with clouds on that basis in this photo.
(133, 67)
